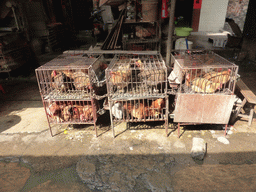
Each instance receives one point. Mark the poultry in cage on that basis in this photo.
(150, 73)
(202, 85)
(65, 112)
(218, 77)
(155, 110)
(121, 77)
(60, 81)
(140, 111)
(143, 32)
(79, 78)
(55, 112)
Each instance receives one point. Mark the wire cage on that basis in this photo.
(141, 36)
(136, 86)
(65, 78)
(130, 75)
(139, 110)
(71, 112)
(202, 72)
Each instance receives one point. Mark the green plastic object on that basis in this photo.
(183, 31)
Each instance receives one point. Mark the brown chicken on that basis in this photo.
(127, 108)
(203, 85)
(60, 81)
(156, 107)
(150, 74)
(81, 80)
(121, 76)
(142, 32)
(140, 111)
(87, 113)
(54, 112)
(67, 113)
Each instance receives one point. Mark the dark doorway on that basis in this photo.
(184, 8)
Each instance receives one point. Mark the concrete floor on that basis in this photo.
(136, 160)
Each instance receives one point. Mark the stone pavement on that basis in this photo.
(136, 160)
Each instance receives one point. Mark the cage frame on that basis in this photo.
(113, 98)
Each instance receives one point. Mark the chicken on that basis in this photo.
(142, 32)
(156, 107)
(87, 114)
(60, 81)
(54, 111)
(218, 77)
(140, 111)
(81, 80)
(117, 110)
(121, 76)
(150, 74)
(127, 109)
(67, 113)
(203, 85)
(191, 75)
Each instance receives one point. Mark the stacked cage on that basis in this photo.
(141, 36)
(204, 85)
(66, 86)
(136, 86)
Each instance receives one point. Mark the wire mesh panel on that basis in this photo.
(140, 36)
(136, 76)
(65, 78)
(71, 112)
(138, 110)
(202, 72)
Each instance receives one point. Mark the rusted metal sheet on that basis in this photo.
(203, 108)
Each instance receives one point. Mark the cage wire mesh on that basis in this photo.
(202, 71)
(71, 112)
(66, 78)
(137, 110)
(131, 75)
(140, 36)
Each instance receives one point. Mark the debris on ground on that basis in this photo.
(198, 149)
(223, 140)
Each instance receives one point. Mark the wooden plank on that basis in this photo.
(246, 92)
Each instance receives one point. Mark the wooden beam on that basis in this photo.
(170, 32)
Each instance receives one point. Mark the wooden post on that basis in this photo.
(170, 32)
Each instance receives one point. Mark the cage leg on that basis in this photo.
(226, 127)
(48, 119)
(167, 116)
(111, 118)
(178, 130)
(94, 116)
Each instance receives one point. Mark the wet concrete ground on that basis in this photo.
(136, 160)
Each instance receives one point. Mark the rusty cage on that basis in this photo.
(141, 36)
(66, 85)
(136, 85)
(204, 85)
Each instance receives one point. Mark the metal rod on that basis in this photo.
(170, 32)
(178, 130)
(226, 127)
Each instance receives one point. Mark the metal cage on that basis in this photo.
(71, 112)
(202, 72)
(204, 84)
(65, 78)
(141, 36)
(67, 87)
(136, 75)
(137, 89)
